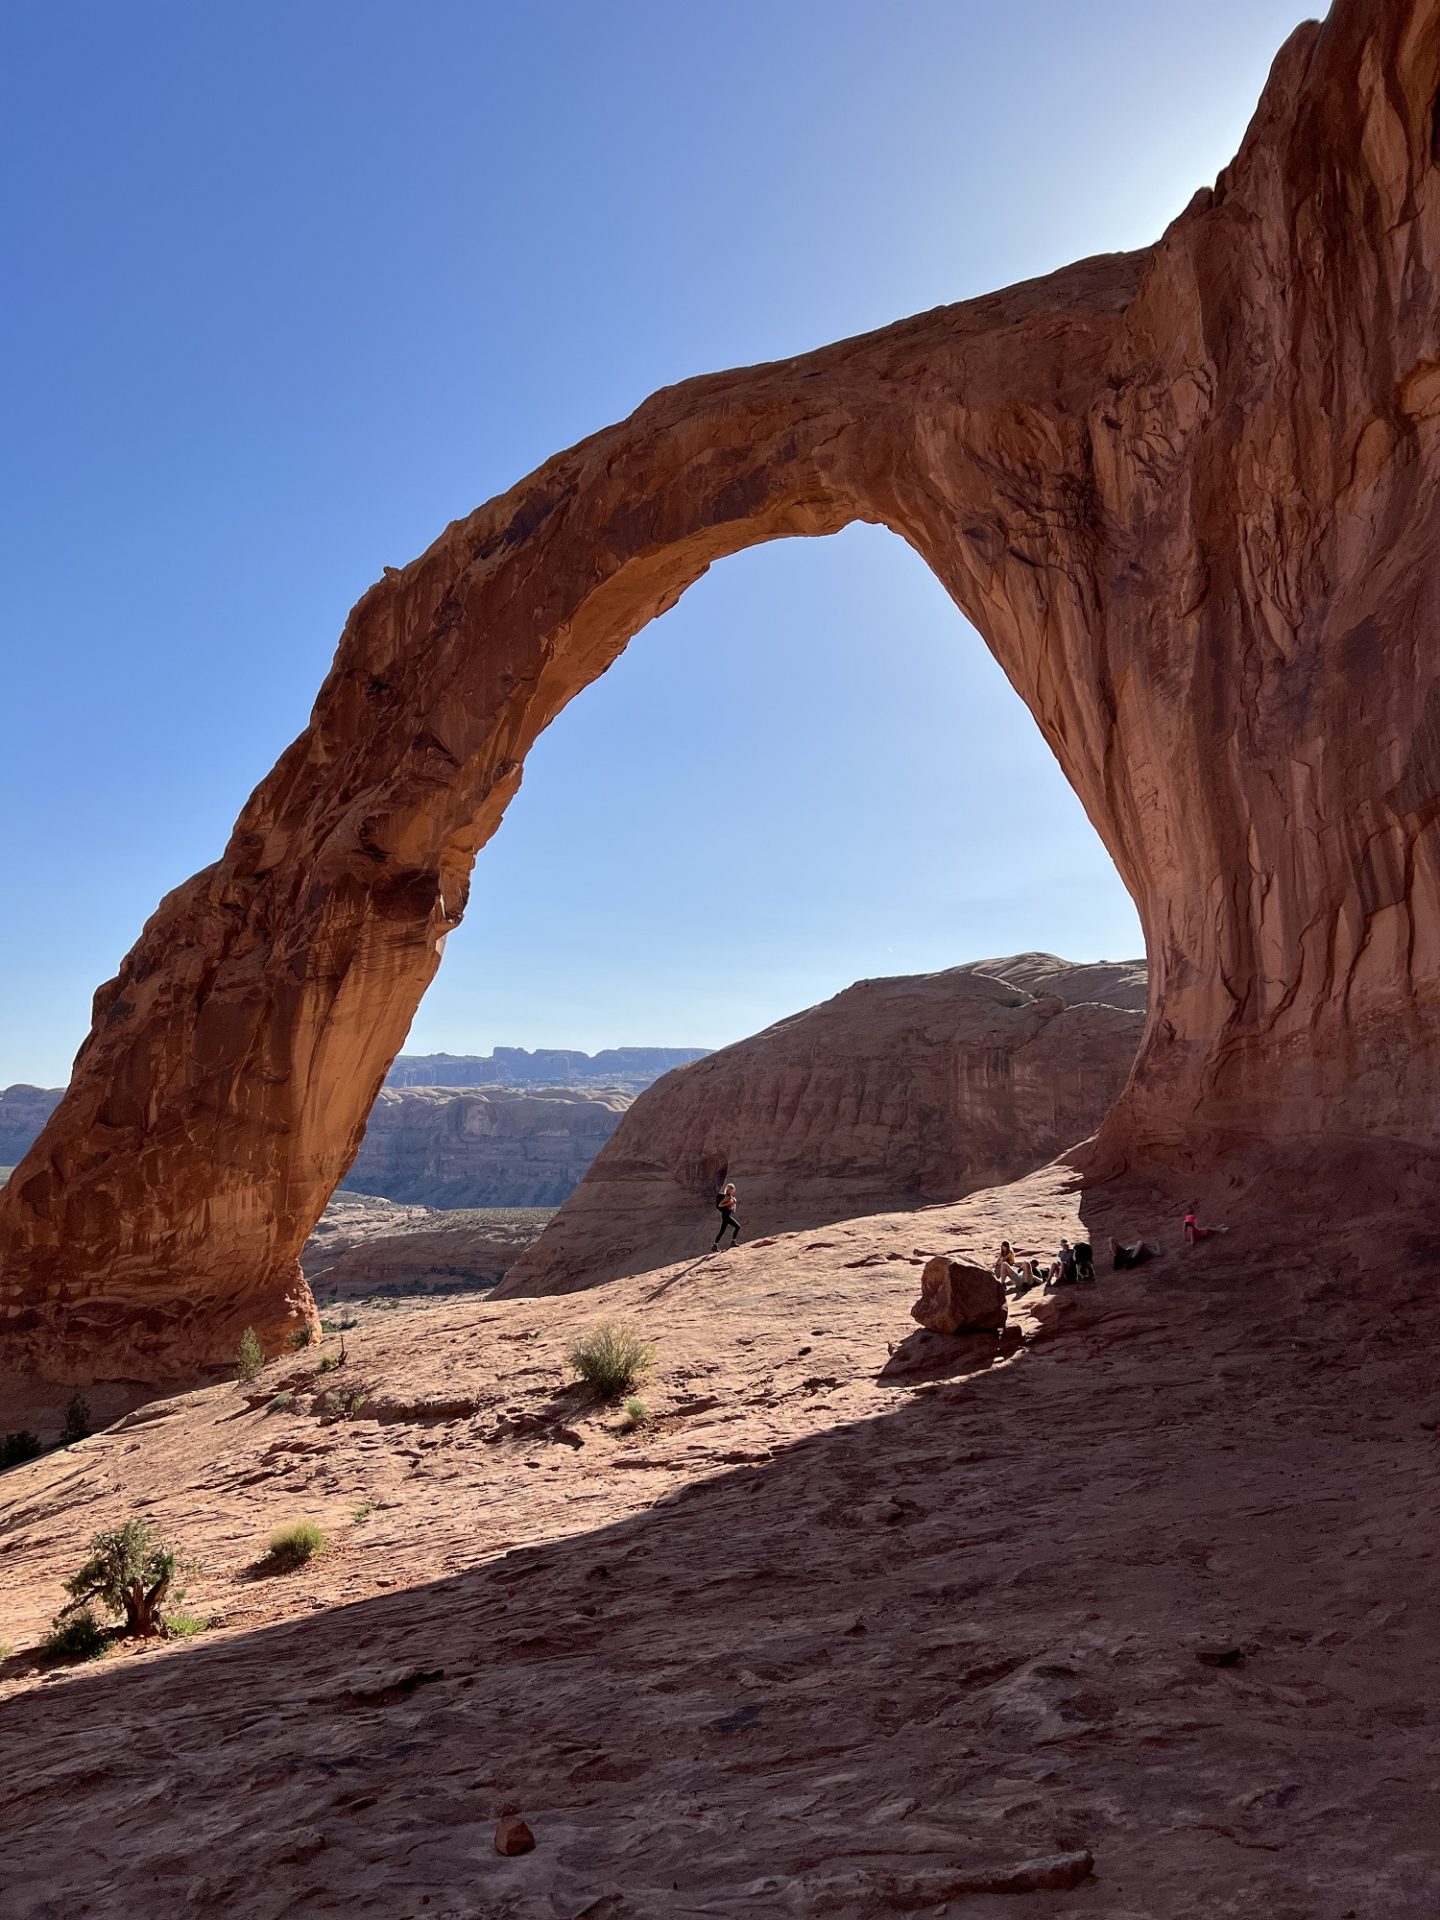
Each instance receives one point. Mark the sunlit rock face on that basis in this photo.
(895, 1093)
(1189, 498)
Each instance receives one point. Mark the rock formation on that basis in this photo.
(23, 1112)
(490, 1147)
(956, 1296)
(1188, 495)
(629, 1068)
(894, 1093)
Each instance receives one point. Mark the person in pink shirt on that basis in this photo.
(1193, 1229)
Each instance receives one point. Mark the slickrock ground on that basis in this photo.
(917, 1087)
(831, 1635)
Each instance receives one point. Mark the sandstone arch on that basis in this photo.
(1187, 495)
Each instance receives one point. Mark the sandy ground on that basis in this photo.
(839, 1630)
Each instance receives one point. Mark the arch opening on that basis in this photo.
(1184, 540)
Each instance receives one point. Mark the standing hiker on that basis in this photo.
(726, 1201)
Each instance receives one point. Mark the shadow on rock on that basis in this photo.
(947, 1356)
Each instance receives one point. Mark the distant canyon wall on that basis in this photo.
(23, 1112)
(484, 1136)
(486, 1147)
(895, 1093)
(632, 1068)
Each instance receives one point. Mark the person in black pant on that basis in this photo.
(726, 1201)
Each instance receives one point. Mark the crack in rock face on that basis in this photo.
(1187, 495)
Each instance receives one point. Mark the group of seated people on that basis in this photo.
(1018, 1273)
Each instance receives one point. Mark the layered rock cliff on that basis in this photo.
(490, 1147)
(894, 1093)
(630, 1068)
(1190, 498)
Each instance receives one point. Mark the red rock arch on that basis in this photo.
(1189, 497)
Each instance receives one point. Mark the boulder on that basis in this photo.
(956, 1297)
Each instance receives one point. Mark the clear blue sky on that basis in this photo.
(288, 286)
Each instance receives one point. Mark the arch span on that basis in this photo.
(1188, 496)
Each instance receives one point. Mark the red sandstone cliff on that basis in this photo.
(895, 1092)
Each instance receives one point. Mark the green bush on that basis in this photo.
(292, 1545)
(636, 1412)
(250, 1357)
(76, 1635)
(327, 1363)
(131, 1572)
(342, 1403)
(610, 1357)
(301, 1337)
(282, 1402)
(77, 1421)
(16, 1448)
(184, 1626)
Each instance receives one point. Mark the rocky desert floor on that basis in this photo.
(1132, 1615)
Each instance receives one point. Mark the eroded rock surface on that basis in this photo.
(896, 1092)
(814, 1640)
(1189, 497)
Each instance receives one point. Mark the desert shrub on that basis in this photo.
(292, 1545)
(636, 1412)
(338, 1326)
(363, 1511)
(184, 1626)
(610, 1357)
(16, 1448)
(343, 1403)
(76, 1635)
(327, 1363)
(301, 1337)
(77, 1421)
(282, 1402)
(249, 1358)
(131, 1572)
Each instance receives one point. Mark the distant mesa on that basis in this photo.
(895, 1093)
(23, 1112)
(630, 1068)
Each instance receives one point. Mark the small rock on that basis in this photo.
(512, 1835)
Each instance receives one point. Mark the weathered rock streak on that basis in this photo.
(1189, 498)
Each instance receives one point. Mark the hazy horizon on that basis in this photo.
(299, 286)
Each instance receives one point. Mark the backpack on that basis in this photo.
(720, 1202)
